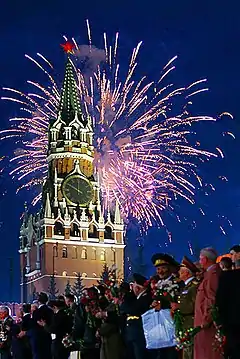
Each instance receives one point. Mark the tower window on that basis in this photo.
(58, 229)
(55, 250)
(103, 255)
(108, 234)
(74, 252)
(92, 231)
(64, 252)
(113, 255)
(94, 254)
(84, 253)
(75, 232)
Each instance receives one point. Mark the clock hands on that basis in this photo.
(76, 189)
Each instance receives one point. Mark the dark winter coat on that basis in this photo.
(111, 340)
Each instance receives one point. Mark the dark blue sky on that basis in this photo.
(204, 34)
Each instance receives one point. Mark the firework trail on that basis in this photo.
(144, 155)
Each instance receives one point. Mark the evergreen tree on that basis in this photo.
(52, 288)
(105, 274)
(108, 275)
(68, 288)
(78, 287)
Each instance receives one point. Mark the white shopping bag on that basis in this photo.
(75, 355)
(159, 329)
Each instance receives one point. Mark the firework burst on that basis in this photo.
(144, 156)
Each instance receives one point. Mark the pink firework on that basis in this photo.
(143, 155)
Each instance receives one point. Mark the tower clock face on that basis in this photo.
(77, 190)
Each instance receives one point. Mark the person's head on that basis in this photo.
(187, 269)
(185, 273)
(34, 306)
(226, 263)
(163, 271)
(165, 265)
(56, 305)
(237, 264)
(235, 253)
(108, 295)
(138, 284)
(124, 288)
(42, 298)
(69, 300)
(4, 312)
(208, 257)
(26, 308)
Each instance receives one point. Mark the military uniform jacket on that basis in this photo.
(134, 310)
(186, 302)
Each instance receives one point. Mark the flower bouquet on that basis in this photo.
(185, 338)
(220, 338)
(68, 341)
(72, 344)
(165, 293)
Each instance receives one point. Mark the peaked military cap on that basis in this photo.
(187, 263)
(163, 259)
(139, 279)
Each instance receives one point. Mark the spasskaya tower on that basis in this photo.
(71, 234)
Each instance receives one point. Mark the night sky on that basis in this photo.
(205, 36)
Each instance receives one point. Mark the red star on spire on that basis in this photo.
(68, 47)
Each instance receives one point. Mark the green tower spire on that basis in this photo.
(69, 106)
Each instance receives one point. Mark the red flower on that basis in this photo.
(165, 294)
(84, 300)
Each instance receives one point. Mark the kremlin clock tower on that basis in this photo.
(71, 234)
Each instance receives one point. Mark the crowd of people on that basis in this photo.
(108, 321)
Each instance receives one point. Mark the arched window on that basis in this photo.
(74, 254)
(94, 254)
(84, 253)
(58, 229)
(113, 255)
(108, 234)
(64, 252)
(103, 255)
(84, 275)
(55, 250)
(75, 232)
(92, 231)
(64, 273)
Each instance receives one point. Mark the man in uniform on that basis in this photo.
(134, 308)
(187, 297)
(166, 268)
(165, 265)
